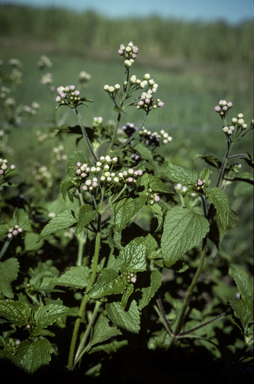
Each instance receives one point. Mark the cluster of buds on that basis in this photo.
(44, 62)
(68, 95)
(10, 102)
(135, 158)
(152, 197)
(16, 76)
(154, 137)
(84, 77)
(44, 136)
(4, 92)
(47, 79)
(130, 276)
(129, 129)
(42, 174)
(59, 155)
(97, 121)
(129, 53)
(223, 107)
(238, 125)
(180, 188)
(147, 101)
(112, 90)
(4, 167)
(14, 231)
(33, 109)
(15, 63)
(200, 185)
(146, 82)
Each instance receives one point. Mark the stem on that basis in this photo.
(119, 194)
(204, 324)
(164, 318)
(238, 155)
(86, 297)
(84, 133)
(81, 242)
(189, 293)
(134, 134)
(224, 163)
(81, 345)
(5, 247)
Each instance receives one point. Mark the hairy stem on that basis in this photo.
(84, 133)
(86, 297)
(5, 247)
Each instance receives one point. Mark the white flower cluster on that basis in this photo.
(152, 197)
(47, 79)
(180, 188)
(14, 231)
(147, 101)
(145, 82)
(237, 122)
(4, 92)
(15, 63)
(16, 76)
(33, 109)
(129, 53)
(44, 136)
(223, 107)
(112, 89)
(200, 184)
(84, 77)
(42, 174)
(4, 167)
(67, 95)
(59, 155)
(102, 173)
(97, 121)
(10, 102)
(44, 62)
(154, 137)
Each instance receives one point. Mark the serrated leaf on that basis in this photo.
(150, 181)
(15, 311)
(133, 255)
(183, 230)
(85, 215)
(110, 348)
(179, 174)
(143, 151)
(243, 310)
(31, 355)
(62, 221)
(108, 283)
(242, 280)
(31, 242)
(48, 314)
(75, 277)
(8, 272)
(220, 200)
(125, 209)
(21, 218)
(149, 292)
(129, 320)
(102, 331)
(151, 247)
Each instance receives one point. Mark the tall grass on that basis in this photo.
(89, 31)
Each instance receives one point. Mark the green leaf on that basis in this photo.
(149, 292)
(129, 320)
(108, 283)
(75, 277)
(31, 355)
(156, 209)
(62, 221)
(220, 200)
(126, 295)
(243, 310)
(125, 209)
(21, 218)
(151, 247)
(48, 314)
(133, 255)
(204, 174)
(242, 280)
(150, 181)
(102, 331)
(211, 160)
(85, 215)
(183, 230)
(31, 242)
(143, 151)
(15, 311)
(8, 272)
(179, 174)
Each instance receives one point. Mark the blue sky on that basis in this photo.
(231, 11)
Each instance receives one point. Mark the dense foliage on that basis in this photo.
(121, 276)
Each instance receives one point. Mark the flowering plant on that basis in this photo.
(138, 222)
